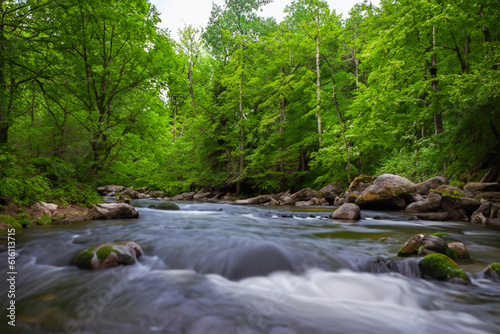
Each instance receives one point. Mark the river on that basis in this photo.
(221, 268)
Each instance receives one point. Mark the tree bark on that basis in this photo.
(438, 121)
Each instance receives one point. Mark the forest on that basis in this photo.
(92, 92)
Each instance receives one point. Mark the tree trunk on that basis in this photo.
(191, 89)
(318, 92)
(242, 131)
(438, 122)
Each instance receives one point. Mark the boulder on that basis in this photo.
(184, 196)
(411, 246)
(108, 254)
(422, 207)
(460, 249)
(348, 211)
(331, 191)
(441, 267)
(339, 201)
(433, 216)
(388, 191)
(156, 193)
(433, 183)
(447, 190)
(434, 244)
(473, 189)
(202, 195)
(461, 208)
(305, 194)
(493, 271)
(360, 183)
(112, 211)
(123, 199)
(488, 214)
(261, 199)
(41, 208)
(165, 206)
(110, 190)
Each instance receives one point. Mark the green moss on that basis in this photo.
(44, 220)
(441, 267)
(496, 267)
(103, 252)
(452, 254)
(24, 219)
(10, 221)
(167, 206)
(2, 207)
(84, 259)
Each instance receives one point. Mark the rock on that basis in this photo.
(473, 189)
(493, 271)
(261, 199)
(184, 196)
(433, 183)
(112, 211)
(331, 191)
(348, 211)
(123, 199)
(61, 222)
(41, 208)
(360, 183)
(202, 195)
(441, 267)
(108, 254)
(411, 246)
(449, 191)
(305, 194)
(434, 216)
(339, 201)
(487, 215)
(110, 190)
(388, 191)
(434, 244)
(422, 207)
(460, 249)
(156, 193)
(166, 206)
(130, 192)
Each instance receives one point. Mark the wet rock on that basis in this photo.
(441, 267)
(433, 183)
(184, 196)
(41, 208)
(487, 215)
(460, 250)
(493, 271)
(422, 207)
(112, 211)
(360, 183)
(388, 191)
(485, 190)
(165, 206)
(411, 246)
(339, 201)
(110, 190)
(348, 211)
(305, 194)
(433, 243)
(123, 199)
(331, 191)
(108, 254)
(433, 216)
(261, 199)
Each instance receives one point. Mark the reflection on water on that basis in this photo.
(215, 268)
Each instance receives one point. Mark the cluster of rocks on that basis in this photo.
(108, 254)
(439, 258)
(58, 215)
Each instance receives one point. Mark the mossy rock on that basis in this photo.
(8, 220)
(44, 220)
(449, 191)
(441, 267)
(108, 254)
(166, 206)
(493, 271)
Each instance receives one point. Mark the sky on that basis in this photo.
(177, 13)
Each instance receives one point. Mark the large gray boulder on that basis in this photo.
(432, 183)
(347, 211)
(108, 254)
(112, 211)
(389, 191)
(331, 191)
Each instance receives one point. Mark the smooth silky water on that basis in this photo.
(220, 268)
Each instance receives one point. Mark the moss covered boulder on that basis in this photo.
(493, 271)
(412, 246)
(441, 267)
(165, 206)
(389, 191)
(108, 254)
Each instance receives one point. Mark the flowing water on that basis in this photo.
(220, 268)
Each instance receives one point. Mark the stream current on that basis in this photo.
(221, 268)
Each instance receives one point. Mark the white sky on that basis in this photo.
(176, 13)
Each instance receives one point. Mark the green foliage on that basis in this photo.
(12, 221)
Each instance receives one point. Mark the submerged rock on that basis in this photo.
(441, 267)
(108, 254)
(165, 206)
(348, 211)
